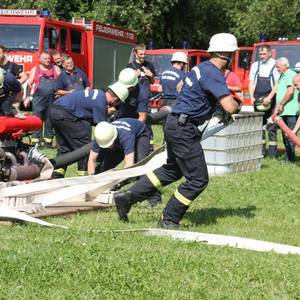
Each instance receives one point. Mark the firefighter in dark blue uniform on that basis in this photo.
(171, 81)
(136, 106)
(204, 88)
(113, 143)
(72, 116)
(10, 92)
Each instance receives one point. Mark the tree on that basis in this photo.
(170, 22)
(274, 17)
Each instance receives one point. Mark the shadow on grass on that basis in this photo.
(211, 215)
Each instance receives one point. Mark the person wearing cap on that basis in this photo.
(204, 89)
(114, 142)
(72, 116)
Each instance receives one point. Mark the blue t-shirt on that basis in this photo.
(136, 102)
(128, 131)
(88, 105)
(77, 80)
(204, 84)
(169, 80)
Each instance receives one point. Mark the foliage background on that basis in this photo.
(169, 22)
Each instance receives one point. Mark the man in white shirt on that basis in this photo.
(262, 87)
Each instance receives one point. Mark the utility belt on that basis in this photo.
(184, 119)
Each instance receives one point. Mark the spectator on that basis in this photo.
(296, 82)
(42, 81)
(57, 59)
(145, 72)
(145, 69)
(72, 116)
(233, 82)
(287, 103)
(71, 78)
(262, 78)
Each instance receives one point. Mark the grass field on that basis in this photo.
(91, 261)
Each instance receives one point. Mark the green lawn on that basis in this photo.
(92, 261)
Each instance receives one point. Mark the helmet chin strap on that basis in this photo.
(228, 59)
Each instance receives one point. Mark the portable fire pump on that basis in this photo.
(18, 160)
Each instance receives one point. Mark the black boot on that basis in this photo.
(124, 201)
(167, 224)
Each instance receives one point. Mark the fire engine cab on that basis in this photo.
(99, 49)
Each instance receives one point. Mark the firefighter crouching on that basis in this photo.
(204, 88)
(115, 142)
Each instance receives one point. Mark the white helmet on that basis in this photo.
(120, 90)
(1, 78)
(297, 67)
(128, 77)
(179, 56)
(105, 134)
(223, 42)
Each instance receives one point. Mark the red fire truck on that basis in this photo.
(100, 50)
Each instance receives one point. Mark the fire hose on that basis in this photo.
(278, 120)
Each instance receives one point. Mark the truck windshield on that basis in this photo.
(291, 52)
(19, 37)
(160, 62)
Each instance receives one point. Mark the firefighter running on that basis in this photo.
(204, 88)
